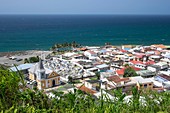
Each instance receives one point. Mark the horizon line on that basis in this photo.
(84, 14)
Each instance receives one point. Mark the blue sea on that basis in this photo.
(28, 32)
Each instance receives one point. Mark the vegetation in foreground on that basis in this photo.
(13, 99)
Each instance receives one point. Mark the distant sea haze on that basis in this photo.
(29, 32)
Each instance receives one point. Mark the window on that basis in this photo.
(123, 88)
(145, 85)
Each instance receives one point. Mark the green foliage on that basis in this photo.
(26, 60)
(70, 79)
(9, 88)
(129, 72)
(98, 75)
(33, 59)
(64, 46)
(13, 100)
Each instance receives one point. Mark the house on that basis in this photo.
(44, 77)
(163, 65)
(102, 67)
(115, 65)
(146, 73)
(120, 72)
(115, 82)
(22, 68)
(155, 58)
(167, 60)
(166, 72)
(142, 83)
(158, 66)
(93, 84)
(121, 57)
(90, 54)
(154, 68)
(127, 47)
(164, 80)
(139, 56)
(138, 64)
(158, 46)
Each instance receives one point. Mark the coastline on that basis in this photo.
(5, 56)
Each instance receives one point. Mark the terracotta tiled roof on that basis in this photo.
(86, 90)
(117, 79)
(159, 45)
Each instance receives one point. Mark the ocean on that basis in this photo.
(40, 32)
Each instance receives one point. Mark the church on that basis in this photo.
(44, 77)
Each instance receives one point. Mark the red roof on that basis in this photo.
(86, 90)
(140, 55)
(149, 63)
(121, 71)
(123, 50)
(91, 52)
(136, 69)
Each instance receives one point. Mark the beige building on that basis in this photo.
(45, 78)
(143, 83)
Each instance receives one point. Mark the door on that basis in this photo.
(53, 83)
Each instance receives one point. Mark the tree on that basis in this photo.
(33, 59)
(70, 79)
(26, 60)
(129, 72)
(126, 65)
(53, 48)
(98, 75)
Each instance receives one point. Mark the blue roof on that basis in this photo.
(21, 67)
(103, 51)
(127, 48)
(167, 56)
(110, 71)
(160, 79)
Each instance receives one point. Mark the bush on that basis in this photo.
(13, 100)
(33, 59)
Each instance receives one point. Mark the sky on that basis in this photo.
(85, 7)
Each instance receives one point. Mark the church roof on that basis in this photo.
(40, 65)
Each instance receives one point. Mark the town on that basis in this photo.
(95, 68)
